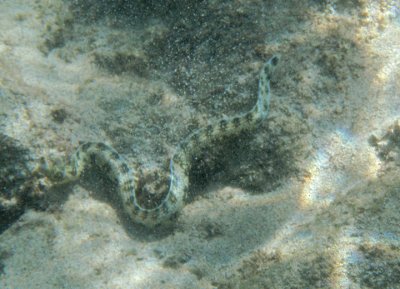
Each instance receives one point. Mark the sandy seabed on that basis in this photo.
(310, 201)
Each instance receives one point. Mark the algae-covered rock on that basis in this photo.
(15, 180)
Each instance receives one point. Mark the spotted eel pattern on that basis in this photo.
(116, 168)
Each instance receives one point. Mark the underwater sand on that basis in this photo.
(310, 201)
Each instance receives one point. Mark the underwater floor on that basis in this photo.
(309, 199)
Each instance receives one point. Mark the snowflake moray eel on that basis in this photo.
(125, 177)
